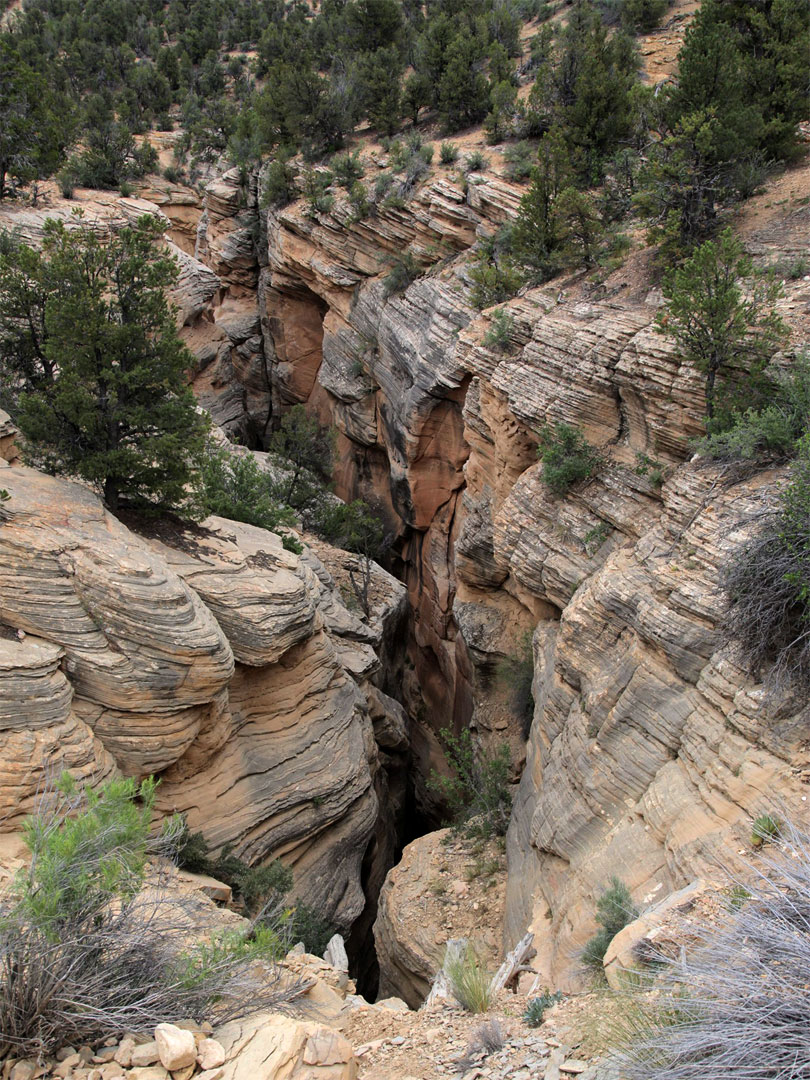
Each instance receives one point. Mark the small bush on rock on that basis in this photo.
(499, 334)
(477, 795)
(233, 486)
(614, 910)
(567, 457)
(404, 270)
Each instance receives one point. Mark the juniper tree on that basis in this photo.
(719, 327)
(95, 368)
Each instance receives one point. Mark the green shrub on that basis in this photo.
(477, 794)
(791, 269)
(347, 169)
(307, 925)
(595, 537)
(233, 486)
(475, 162)
(520, 159)
(614, 910)
(358, 197)
(494, 281)
(649, 467)
(771, 430)
(198, 963)
(305, 451)
(81, 860)
(766, 829)
(727, 333)
(86, 952)
(66, 179)
(634, 15)
(567, 457)
(448, 153)
(534, 9)
(537, 1007)
(499, 333)
(469, 979)
(382, 185)
(404, 270)
(260, 888)
(279, 184)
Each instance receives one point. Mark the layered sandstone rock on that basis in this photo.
(117, 651)
(640, 716)
(270, 1045)
(445, 887)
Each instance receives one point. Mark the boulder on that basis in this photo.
(176, 1047)
(640, 939)
(268, 1046)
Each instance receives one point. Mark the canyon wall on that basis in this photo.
(209, 656)
(263, 701)
(649, 750)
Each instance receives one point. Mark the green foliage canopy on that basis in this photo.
(95, 365)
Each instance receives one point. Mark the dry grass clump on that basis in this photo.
(737, 1007)
(91, 947)
(469, 979)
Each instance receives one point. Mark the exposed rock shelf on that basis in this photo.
(209, 655)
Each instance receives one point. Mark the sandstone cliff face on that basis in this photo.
(208, 655)
(649, 749)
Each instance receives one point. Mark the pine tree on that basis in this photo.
(536, 234)
(32, 136)
(725, 332)
(773, 40)
(379, 74)
(464, 89)
(86, 329)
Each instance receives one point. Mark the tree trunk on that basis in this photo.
(111, 493)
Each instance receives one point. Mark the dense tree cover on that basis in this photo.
(741, 89)
(95, 371)
(597, 143)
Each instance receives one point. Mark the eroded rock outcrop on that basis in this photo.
(649, 749)
(201, 653)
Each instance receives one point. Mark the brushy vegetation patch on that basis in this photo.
(614, 910)
(735, 1005)
(262, 890)
(477, 795)
(567, 457)
(86, 952)
(767, 586)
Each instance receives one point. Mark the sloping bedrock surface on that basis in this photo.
(145, 656)
(292, 778)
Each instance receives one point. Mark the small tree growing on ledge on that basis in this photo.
(716, 327)
(97, 369)
(567, 457)
(477, 794)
